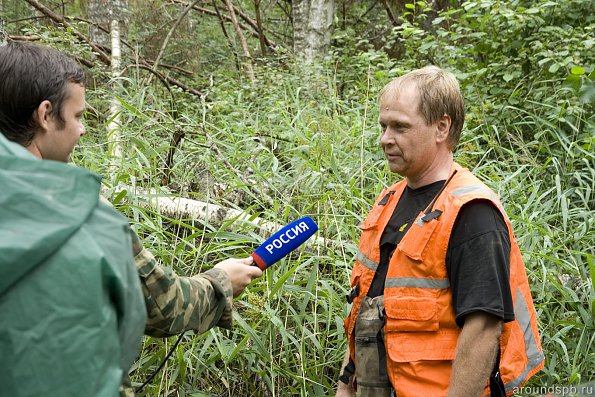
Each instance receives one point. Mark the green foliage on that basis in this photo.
(303, 141)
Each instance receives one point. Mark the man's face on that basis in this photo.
(409, 144)
(60, 140)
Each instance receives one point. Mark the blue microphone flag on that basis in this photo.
(284, 241)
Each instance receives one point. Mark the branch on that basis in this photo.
(24, 38)
(261, 36)
(361, 17)
(253, 24)
(170, 33)
(103, 57)
(390, 14)
(247, 56)
(167, 79)
(60, 19)
(179, 134)
(80, 60)
(175, 68)
(236, 57)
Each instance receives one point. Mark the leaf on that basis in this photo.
(573, 81)
(120, 196)
(507, 77)
(258, 343)
(544, 60)
(410, 6)
(577, 70)
(587, 93)
(554, 67)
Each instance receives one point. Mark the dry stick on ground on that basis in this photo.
(243, 43)
(179, 208)
(24, 38)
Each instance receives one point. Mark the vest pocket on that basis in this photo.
(415, 241)
(411, 314)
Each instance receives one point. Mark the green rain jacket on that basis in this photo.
(71, 309)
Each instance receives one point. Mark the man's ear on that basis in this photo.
(43, 115)
(443, 128)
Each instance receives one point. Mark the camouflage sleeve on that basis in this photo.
(176, 304)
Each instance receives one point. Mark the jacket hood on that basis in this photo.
(42, 204)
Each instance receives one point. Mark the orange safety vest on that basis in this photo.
(420, 329)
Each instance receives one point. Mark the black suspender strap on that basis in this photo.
(348, 372)
(496, 385)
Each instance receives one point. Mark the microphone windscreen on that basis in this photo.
(284, 241)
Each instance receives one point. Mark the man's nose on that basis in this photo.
(386, 137)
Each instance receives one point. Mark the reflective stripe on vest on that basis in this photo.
(534, 356)
(417, 282)
(367, 262)
(480, 189)
(404, 281)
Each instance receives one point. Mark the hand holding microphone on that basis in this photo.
(239, 272)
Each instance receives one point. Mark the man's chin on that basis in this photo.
(396, 168)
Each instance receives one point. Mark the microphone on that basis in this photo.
(283, 242)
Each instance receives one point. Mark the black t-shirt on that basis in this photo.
(477, 258)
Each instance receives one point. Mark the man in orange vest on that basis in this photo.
(441, 305)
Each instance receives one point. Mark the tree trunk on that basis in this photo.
(3, 34)
(213, 214)
(114, 131)
(261, 36)
(102, 12)
(312, 28)
(242, 39)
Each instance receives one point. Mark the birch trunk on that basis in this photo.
(114, 131)
(312, 28)
(213, 214)
(3, 34)
(101, 13)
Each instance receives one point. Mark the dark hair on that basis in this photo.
(30, 74)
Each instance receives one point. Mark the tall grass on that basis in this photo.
(300, 142)
(297, 148)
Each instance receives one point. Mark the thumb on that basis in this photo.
(246, 261)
